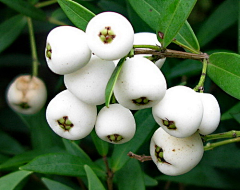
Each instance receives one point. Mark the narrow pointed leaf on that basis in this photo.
(224, 69)
(10, 30)
(61, 164)
(11, 181)
(101, 146)
(93, 181)
(79, 15)
(25, 8)
(229, 113)
(53, 185)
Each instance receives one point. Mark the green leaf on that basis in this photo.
(10, 29)
(79, 15)
(224, 69)
(54, 185)
(9, 145)
(233, 110)
(11, 181)
(133, 171)
(112, 81)
(187, 37)
(25, 8)
(146, 126)
(149, 181)
(221, 19)
(74, 149)
(61, 164)
(93, 182)
(173, 15)
(101, 146)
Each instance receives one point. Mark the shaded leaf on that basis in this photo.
(11, 181)
(224, 69)
(93, 181)
(149, 181)
(78, 14)
(25, 8)
(233, 110)
(10, 29)
(53, 185)
(101, 146)
(146, 126)
(61, 164)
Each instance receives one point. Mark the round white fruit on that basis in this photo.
(66, 49)
(175, 156)
(140, 84)
(115, 124)
(69, 117)
(89, 83)
(26, 94)
(110, 35)
(211, 114)
(180, 112)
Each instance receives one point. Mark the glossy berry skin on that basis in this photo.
(180, 112)
(110, 35)
(26, 94)
(115, 124)
(175, 156)
(89, 83)
(66, 49)
(69, 117)
(211, 114)
(140, 84)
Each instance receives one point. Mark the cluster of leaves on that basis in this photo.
(32, 156)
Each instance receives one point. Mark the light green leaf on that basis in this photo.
(130, 176)
(101, 146)
(221, 19)
(61, 164)
(93, 181)
(233, 110)
(146, 126)
(224, 69)
(11, 181)
(55, 185)
(79, 15)
(25, 8)
(10, 30)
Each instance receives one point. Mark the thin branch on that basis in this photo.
(229, 134)
(141, 158)
(210, 146)
(109, 174)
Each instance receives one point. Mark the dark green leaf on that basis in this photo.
(101, 146)
(11, 181)
(112, 81)
(55, 185)
(222, 18)
(25, 8)
(93, 182)
(224, 69)
(233, 110)
(61, 164)
(173, 15)
(149, 181)
(9, 145)
(79, 15)
(133, 171)
(145, 128)
(236, 116)
(74, 149)
(10, 30)
(187, 37)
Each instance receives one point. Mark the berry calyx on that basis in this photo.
(169, 124)
(107, 35)
(65, 123)
(141, 101)
(48, 51)
(115, 138)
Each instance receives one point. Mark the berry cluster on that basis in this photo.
(87, 61)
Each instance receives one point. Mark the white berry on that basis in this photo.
(140, 84)
(66, 49)
(110, 35)
(69, 117)
(175, 156)
(26, 94)
(211, 114)
(89, 83)
(115, 124)
(180, 112)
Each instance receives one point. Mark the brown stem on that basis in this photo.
(81, 183)
(109, 174)
(172, 54)
(141, 158)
